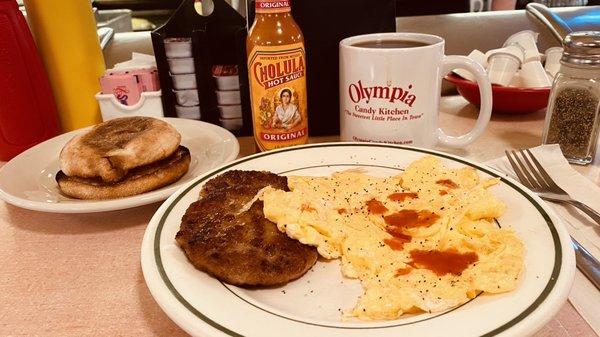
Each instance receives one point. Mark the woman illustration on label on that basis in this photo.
(286, 114)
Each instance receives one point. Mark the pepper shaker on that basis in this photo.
(572, 118)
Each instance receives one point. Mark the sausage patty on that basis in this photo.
(241, 248)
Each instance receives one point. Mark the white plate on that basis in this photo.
(27, 180)
(309, 306)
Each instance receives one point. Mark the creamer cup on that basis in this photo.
(527, 39)
(516, 81)
(477, 56)
(534, 75)
(230, 111)
(231, 123)
(184, 81)
(553, 56)
(187, 97)
(226, 83)
(228, 97)
(178, 47)
(226, 77)
(504, 64)
(188, 112)
(181, 65)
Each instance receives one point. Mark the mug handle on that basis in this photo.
(450, 63)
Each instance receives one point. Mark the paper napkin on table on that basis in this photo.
(138, 60)
(584, 296)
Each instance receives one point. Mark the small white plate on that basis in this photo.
(28, 180)
(309, 306)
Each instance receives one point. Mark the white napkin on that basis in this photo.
(137, 61)
(584, 296)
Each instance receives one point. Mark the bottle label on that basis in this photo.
(278, 92)
(272, 6)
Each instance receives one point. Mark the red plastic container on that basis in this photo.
(27, 108)
(507, 100)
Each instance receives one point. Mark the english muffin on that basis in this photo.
(122, 157)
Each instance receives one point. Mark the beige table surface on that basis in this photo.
(80, 275)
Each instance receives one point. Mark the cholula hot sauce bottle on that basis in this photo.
(277, 74)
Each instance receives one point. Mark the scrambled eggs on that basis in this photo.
(423, 240)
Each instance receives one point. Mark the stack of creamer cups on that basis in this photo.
(228, 96)
(183, 74)
(518, 63)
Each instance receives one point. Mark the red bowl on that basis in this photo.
(506, 100)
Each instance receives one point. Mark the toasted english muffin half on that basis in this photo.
(139, 180)
(111, 149)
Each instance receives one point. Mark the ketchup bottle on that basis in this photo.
(27, 108)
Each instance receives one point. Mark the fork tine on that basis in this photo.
(543, 172)
(517, 170)
(538, 177)
(523, 167)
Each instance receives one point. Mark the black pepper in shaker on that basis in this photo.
(572, 118)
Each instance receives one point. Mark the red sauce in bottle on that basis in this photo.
(376, 207)
(401, 196)
(408, 218)
(447, 183)
(443, 262)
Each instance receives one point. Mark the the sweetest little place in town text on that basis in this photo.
(383, 114)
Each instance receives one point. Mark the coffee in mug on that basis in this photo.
(390, 89)
(390, 44)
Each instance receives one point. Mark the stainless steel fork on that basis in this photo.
(535, 177)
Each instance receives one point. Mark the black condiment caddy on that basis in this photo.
(218, 38)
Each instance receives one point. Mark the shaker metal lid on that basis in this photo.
(582, 48)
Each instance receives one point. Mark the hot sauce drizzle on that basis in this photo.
(447, 183)
(397, 233)
(408, 218)
(307, 208)
(401, 196)
(403, 271)
(397, 243)
(443, 262)
(342, 211)
(443, 192)
(376, 207)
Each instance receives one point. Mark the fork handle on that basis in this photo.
(586, 209)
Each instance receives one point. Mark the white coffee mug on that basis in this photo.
(392, 95)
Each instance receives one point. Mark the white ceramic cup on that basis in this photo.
(392, 95)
